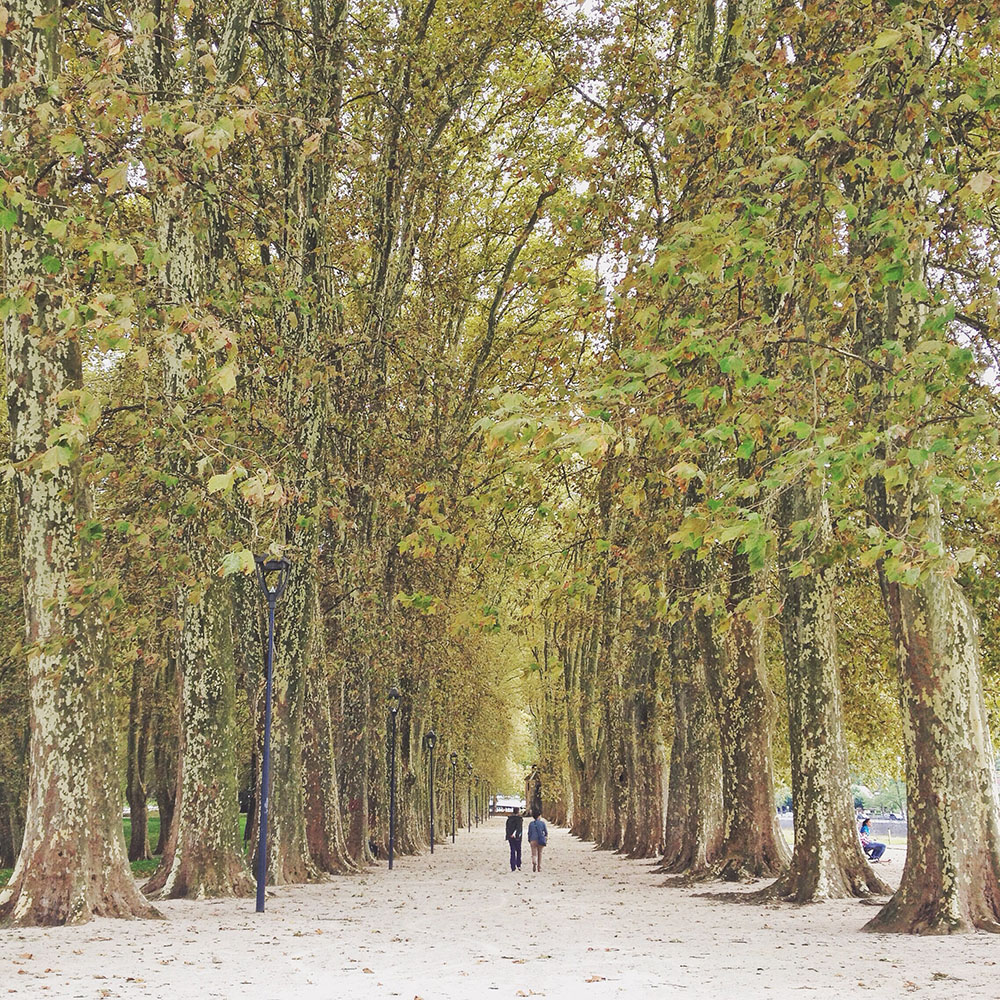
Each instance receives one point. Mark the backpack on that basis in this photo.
(541, 832)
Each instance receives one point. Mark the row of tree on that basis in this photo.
(648, 345)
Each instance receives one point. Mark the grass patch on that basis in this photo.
(5, 874)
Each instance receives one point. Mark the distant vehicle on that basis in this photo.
(504, 804)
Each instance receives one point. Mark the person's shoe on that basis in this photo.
(532, 866)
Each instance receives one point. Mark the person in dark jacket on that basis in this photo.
(515, 823)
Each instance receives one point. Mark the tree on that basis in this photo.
(72, 863)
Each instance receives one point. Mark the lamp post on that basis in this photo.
(272, 575)
(431, 739)
(468, 812)
(393, 711)
(477, 800)
(454, 769)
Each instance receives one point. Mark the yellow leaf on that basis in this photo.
(117, 178)
(225, 378)
(980, 182)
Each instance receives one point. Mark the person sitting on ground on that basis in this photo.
(872, 848)
(538, 837)
(515, 822)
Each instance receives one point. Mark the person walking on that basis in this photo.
(515, 823)
(538, 837)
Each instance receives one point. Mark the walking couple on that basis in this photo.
(538, 837)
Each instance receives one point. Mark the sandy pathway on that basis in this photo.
(459, 925)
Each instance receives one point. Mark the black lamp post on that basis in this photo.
(454, 769)
(477, 800)
(468, 812)
(393, 711)
(272, 575)
(431, 739)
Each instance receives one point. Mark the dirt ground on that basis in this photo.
(461, 925)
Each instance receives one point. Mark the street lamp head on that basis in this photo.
(431, 739)
(454, 759)
(394, 697)
(468, 767)
(272, 576)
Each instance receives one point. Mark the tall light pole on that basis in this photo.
(394, 697)
(272, 575)
(477, 800)
(431, 739)
(454, 769)
(468, 812)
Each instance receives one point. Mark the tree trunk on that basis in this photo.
(289, 857)
(356, 760)
(643, 828)
(951, 880)
(827, 860)
(693, 832)
(136, 789)
(324, 826)
(165, 755)
(203, 855)
(72, 865)
(752, 846)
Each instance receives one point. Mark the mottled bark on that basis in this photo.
(951, 880)
(203, 852)
(324, 826)
(203, 855)
(752, 845)
(72, 865)
(827, 860)
(289, 856)
(693, 832)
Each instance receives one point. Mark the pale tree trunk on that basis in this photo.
(203, 855)
(827, 860)
(951, 880)
(752, 846)
(72, 865)
(303, 776)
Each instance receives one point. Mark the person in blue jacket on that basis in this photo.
(538, 837)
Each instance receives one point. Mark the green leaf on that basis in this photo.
(222, 481)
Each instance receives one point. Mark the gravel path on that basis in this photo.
(460, 926)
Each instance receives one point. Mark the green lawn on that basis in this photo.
(138, 867)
